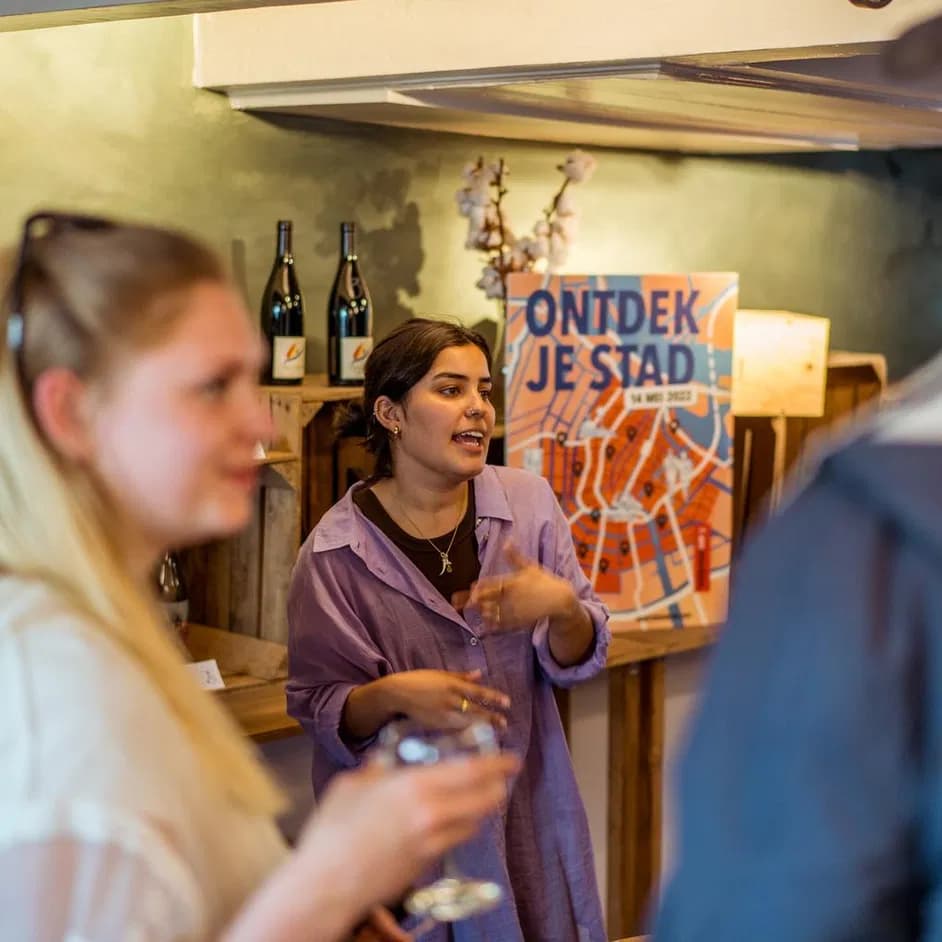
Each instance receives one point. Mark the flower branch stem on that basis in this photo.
(502, 261)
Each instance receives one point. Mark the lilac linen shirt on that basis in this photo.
(358, 610)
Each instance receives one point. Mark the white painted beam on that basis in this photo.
(37, 14)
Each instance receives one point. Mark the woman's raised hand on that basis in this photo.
(522, 596)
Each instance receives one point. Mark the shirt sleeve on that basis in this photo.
(330, 653)
(92, 874)
(557, 553)
(798, 798)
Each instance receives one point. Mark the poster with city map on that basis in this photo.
(618, 392)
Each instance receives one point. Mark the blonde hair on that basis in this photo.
(90, 297)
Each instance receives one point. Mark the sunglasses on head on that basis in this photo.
(38, 226)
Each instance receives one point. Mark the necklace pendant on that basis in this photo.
(446, 563)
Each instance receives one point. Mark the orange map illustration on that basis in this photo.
(618, 393)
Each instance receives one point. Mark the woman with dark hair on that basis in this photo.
(446, 590)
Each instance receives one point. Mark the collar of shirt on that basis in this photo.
(344, 525)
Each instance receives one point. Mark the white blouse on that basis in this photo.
(107, 833)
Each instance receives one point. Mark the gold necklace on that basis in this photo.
(446, 560)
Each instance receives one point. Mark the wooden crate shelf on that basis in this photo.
(242, 584)
(254, 672)
(276, 457)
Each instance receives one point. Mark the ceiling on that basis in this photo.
(815, 102)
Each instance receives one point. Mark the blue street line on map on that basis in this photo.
(677, 620)
(659, 559)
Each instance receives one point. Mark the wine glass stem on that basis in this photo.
(450, 868)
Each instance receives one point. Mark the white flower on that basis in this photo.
(479, 194)
(477, 237)
(519, 256)
(541, 229)
(490, 282)
(528, 250)
(565, 204)
(476, 216)
(505, 259)
(558, 251)
(463, 199)
(494, 239)
(567, 227)
(579, 166)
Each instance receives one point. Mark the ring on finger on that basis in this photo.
(465, 703)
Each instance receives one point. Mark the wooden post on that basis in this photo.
(636, 755)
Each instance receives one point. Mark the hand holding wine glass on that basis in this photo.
(379, 828)
(454, 896)
(449, 700)
(435, 698)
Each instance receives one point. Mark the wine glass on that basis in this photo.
(453, 896)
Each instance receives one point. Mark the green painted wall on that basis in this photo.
(104, 118)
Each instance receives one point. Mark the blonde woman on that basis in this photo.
(130, 807)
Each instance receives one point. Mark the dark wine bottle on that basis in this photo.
(283, 316)
(349, 316)
(171, 590)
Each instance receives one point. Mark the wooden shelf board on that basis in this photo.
(259, 709)
(276, 457)
(254, 672)
(642, 644)
(314, 388)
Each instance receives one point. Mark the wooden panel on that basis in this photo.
(636, 754)
(286, 417)
(207, 572)
(853, 381)
(237, 655)
(353, 463)
(242, 583)
(281, 536)
(644, 644)
(246, 575)
(260, 711)
(753, 447)
(318, 475)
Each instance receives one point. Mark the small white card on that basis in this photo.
(207, 674)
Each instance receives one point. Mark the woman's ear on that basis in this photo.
(389, 414)
(60, 404)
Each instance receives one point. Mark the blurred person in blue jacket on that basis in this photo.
(811, 791)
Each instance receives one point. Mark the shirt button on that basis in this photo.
(474, 642)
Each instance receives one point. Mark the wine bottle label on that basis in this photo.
(353, 354)
(287, 358)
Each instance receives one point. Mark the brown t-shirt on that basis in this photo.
(465, 565)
